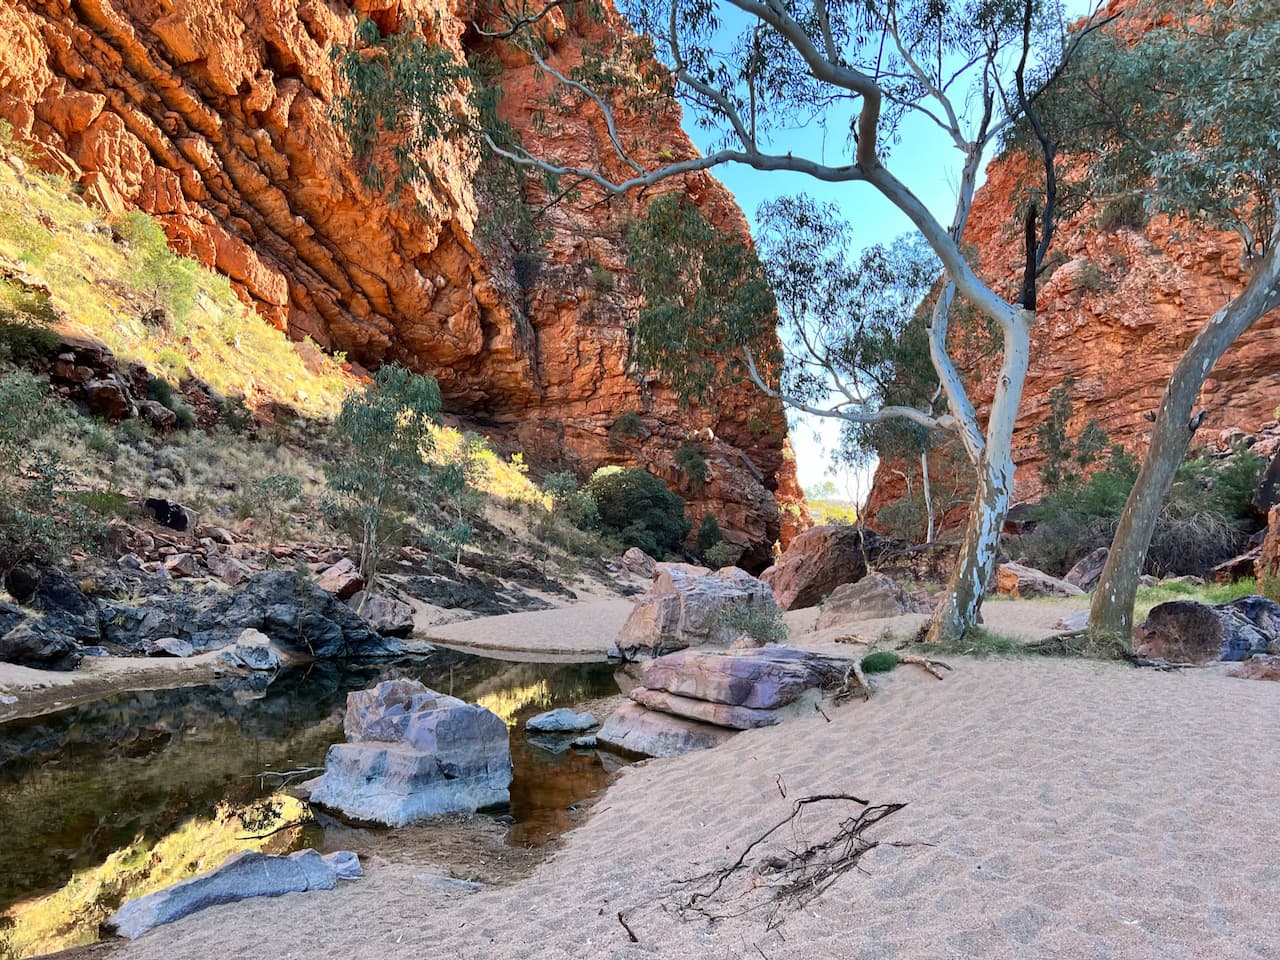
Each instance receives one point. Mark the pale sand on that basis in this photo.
(1073, 810)
(582, 629)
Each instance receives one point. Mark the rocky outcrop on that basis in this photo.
(696, 699)
(688, 606)
(241, 876)
(1183, 631)
(875, 596)
(413, 753)
(216, 119)
(814, 564)
(1020, 581)
(1088, 569)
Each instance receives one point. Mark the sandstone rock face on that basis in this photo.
(687, 606)
(412, 754)
(387, 615)
(215, 118)
(1116, 316)
(814, 564)
(873, 597)
(1260, 667)
(1017, 580)
(241, 876)
(1183, 631)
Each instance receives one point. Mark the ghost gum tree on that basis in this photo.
(752, 71)
(1186, 115)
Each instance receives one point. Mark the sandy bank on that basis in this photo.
(1056, 809)
(585, 630)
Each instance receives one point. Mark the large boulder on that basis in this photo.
(1183, 631)
(64, 606)
(241, 876)
(637, 562)
(36, 643)
(561, 720)
(388, 616)
(292, 611)
(695, 699)
(342, 579)
(1018, 580)
(1088, 569)
(814, 564)
(873, 597)
(687, 606)
(413, 753)
(631, 729)
(171, 514)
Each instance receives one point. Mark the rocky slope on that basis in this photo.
(214, 117)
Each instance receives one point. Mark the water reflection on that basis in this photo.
(110, 799)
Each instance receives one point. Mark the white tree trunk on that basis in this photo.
(958, 610)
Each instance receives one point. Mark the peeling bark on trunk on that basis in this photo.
(959, 609)
(1112, 609)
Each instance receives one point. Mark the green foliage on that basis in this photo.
(382, 434)
(25, 317)
(706, 299)
(627, 425)
(882, 661)
(568, 501)
(1127, 211)
(159, 273)
(454, 482)
(1180, 118)
(271, 498)
(982, 643)
(762, 621)
(691, 462)
(638, 510)
(709, 533)
(1200, 524)
(39, 521)
(1064, 457)
(719, 555)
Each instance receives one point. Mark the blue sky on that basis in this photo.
(925, 159)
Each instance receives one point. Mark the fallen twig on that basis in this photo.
(627, 927)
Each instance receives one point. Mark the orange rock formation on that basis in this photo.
(214, 117)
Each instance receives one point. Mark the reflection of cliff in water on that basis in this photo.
(83, 785)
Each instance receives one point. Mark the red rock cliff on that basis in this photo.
(1116, 317)
(214, 117)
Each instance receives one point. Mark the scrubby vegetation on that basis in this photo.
(1202, 523)
(638, 510)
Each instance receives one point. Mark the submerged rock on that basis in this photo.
(241, 876)
(562, 720)
(412, 754)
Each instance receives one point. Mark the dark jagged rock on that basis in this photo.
(1088, 570)
(1183, 631)
(36, 643)
(169, 514)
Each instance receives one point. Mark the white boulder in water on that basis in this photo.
(412, 754)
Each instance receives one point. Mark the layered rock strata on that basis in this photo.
(216, 119)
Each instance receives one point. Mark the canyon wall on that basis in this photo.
(1115, 317)
(214, 116)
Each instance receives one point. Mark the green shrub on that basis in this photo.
(628, 424)
(692, 463)
(39, 521)
(25, 317)
(377, 474)
(159, 273)
(720, 555)
(638, 510)
(762, 621)
(569, 502)
(709, 533)
(270, 499)
(1128, 210)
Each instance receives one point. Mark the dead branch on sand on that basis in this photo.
(789, 879)
(855, 677)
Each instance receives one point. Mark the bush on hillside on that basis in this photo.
(638, 510)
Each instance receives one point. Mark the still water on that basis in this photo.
(103, 802)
